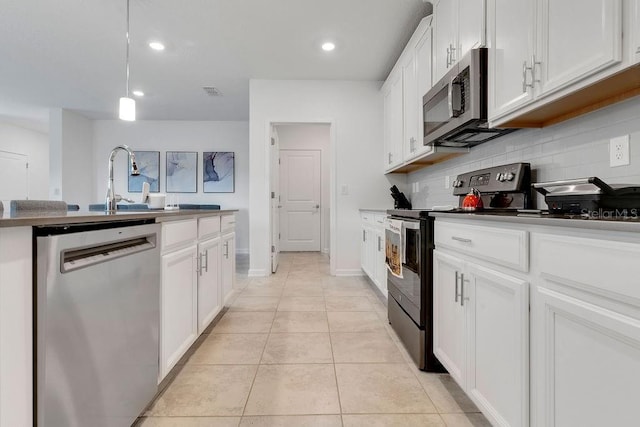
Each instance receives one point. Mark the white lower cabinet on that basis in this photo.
(372, 249)
(228, 265)
(481, 319)
(209, 275)
(197, 278)
(178, 306)
(586, 330)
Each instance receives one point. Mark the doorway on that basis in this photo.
(300, 188)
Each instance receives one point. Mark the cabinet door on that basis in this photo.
(228, 265)
(179, 304)
(380, 267)
(577, 39)
(209, 294)
(635, 28)
(471, 25)
(497, 309)
(445, 30)
(410, 105)
(423, 82)
(585, 360)
(510, 26)
(448, 316)
(368, 249)
(393, 122)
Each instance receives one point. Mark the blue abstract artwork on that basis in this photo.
(182, 168)
(218, 172)
(149, 166)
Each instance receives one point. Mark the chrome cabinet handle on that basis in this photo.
(198, 263)
(462, 298)
(460, 239)
(533, 70)
(525, 85)
(379, 243)
(453, 58)
(412, 144)
(205, 256)
(364, 235)
(226, 250)
(448, 56)
(390, 157)
(456, 295)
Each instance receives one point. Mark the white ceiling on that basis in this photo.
(71, 53)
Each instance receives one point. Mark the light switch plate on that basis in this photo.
(619, 151)
(344, 190)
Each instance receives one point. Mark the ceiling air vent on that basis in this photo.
(212, 91)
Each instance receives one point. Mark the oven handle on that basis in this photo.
(411, 225)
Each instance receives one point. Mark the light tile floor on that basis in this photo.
(302, 348)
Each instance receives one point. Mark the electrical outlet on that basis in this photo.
(619, 151)
(447, 182)
(344, 190)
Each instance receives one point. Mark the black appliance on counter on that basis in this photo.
(400, 201)
(586, 196)
(410, 303)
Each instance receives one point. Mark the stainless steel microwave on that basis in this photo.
(455, 108)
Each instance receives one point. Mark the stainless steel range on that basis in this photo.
(410, 253)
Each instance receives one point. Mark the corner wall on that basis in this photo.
(356, 110)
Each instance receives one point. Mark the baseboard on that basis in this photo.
(325, 251)
(349, 272)
(258, 272)
(242, 251)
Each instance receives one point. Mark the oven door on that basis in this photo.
(408, 290)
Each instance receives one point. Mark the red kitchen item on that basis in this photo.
(472, 201)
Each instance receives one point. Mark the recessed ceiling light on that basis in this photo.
(156, 46)
(328, 46)
(138, 93)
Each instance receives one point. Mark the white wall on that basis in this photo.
(577, 148)
(312, 137)
(72, 174)
(35, 145)
(166, 136)
(355, 109)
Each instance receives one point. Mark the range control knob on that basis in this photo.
(509, 176)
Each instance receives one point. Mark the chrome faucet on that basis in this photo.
(113, 199)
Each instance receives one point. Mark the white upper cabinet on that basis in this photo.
(410, 106)
(393, 122)
(510, 42)
(459, 26)
(423, 61)
(635, 31)
(576, 39)
(471, 26)
(542, 51)
(444, 36)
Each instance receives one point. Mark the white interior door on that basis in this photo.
(14, 176)
(275, 202)
(300, 200)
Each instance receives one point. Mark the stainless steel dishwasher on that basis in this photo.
(97, 326)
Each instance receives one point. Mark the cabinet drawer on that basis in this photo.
(208, 227)
(602, 266)
(378, 220)
(178, 233)
(367, 217)
(502, 246)
(228, 222)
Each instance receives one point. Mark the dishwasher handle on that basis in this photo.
(77, 258)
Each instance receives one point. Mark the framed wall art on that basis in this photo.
(182, 170)
(218, 172)
(148, 163)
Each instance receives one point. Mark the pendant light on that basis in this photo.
(127, 104)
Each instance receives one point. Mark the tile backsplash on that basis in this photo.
(574, 149)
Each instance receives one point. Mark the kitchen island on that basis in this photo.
(186, 231)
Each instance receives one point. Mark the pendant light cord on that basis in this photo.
(128, 42)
